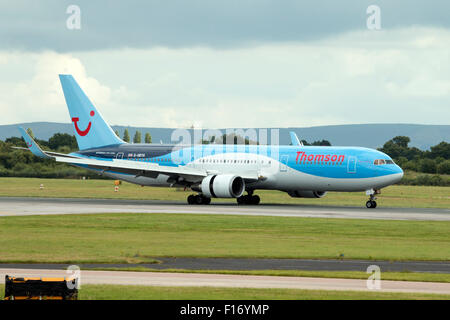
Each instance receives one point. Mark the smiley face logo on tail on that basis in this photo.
(82, 132)
(30, 144)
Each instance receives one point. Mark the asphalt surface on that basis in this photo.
(233, 281)
(48, 206)
(261, 264)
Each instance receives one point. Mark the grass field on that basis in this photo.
(121, 292)
(393, 196)
(139, 238)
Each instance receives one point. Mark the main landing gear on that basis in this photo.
(198, 199)
(249, 199)
(201, 199)
(371, 203)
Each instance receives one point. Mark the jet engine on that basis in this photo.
(306, 194)
(222, 186)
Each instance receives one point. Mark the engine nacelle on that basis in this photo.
(306, 194)
(223, 186)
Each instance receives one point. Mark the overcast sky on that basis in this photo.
(228, 63)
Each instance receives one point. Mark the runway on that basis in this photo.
(231, 281)
(46, 206)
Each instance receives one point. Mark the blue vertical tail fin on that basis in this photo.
(91, 130)
(294, 139)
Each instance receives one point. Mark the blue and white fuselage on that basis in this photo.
(271, 167)
(220, 170)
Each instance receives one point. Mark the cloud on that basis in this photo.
(39, 97)
(199, 23)
(391, 76)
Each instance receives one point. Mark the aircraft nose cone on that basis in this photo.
(398, 175)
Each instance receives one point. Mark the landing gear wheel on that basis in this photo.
(255, 200)
(201, 199)
(191, 199)
(247, 199)
(242, 200)
(198, 199)
(371, 204)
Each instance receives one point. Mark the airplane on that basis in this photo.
(220, 171)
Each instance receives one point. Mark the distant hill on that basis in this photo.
(364, 135)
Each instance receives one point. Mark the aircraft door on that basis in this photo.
(283, 163)
(351, 167)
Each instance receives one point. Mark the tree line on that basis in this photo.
(137, 136)
(20, 163)
(435, 160)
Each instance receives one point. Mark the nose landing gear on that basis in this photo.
(371, 203)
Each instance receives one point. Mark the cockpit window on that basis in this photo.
(379, 162)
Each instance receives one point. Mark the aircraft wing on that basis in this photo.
(32, 145)
(136, 168)
(36, 150)
(151, 170)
